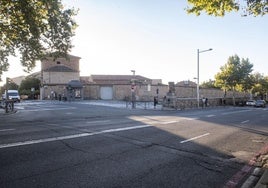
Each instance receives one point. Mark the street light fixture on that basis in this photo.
(197, 79)
(133, 71)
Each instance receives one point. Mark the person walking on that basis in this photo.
(155, 102)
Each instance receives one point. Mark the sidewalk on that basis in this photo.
(262, 160)
(259, 177)
(263, 182)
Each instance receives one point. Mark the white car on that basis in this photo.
(12, 95)
(251, 103)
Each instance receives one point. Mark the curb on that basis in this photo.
(263, 182)
(253, 178)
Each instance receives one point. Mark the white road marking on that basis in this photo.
(20, 108)
(194, 138)
(191, 119)
(211, 115)
(169, 122)
(234, 112)
(244, 121)
(3, 130)
(101, 121)
(30, 142)
(48, 109)
(150, 122)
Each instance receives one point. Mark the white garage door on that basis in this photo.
(106, 93)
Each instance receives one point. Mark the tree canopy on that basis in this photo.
(233, 74)
(220, 7)
(33, 29)
(260, 84)
(27, 84)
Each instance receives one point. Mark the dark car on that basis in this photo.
(260, 103)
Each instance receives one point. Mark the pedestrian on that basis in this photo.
(203, 102)
(155, 102)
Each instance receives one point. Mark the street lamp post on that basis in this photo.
(133, 86)
(133, 71)
(197, 79)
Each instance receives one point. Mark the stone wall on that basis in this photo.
(72, 62)
(184, 97)
(123, 92)
(59, 77)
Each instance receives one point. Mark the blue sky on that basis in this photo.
(159, 40)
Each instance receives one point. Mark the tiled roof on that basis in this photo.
(59, 68)
(61, 56)
(119, 79)
(186, 83)
(75, 84)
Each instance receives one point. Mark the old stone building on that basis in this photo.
(121, 87)
(60, 77)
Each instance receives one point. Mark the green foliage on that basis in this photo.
(27, 84)
(209, 84)
(260, 84)
(221, 7)
(234, 74)
(34, 29)
(11, 86)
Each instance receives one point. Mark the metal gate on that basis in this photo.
(106, 93)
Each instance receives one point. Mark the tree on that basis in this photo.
(220, 7)
(34, 29)
(260, 86)
(234, 74)
(209, 84)
(27, 84)
(11, 86)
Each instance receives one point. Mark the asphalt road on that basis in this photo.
(77, 144)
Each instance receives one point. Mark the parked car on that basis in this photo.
(260, 103)
(250, 103)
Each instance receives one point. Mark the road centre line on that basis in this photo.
(48, 109)
(3, 130)
(244, 121)
(194, 138)
(211, 115)
(100, 121)
(234, 112)
(31, 142)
